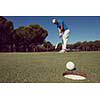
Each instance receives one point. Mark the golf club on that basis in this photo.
(60, 41)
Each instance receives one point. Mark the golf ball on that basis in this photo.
(70, 65)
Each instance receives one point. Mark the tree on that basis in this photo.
(26, 36)
(97, 44)
(77, 46)
(39, 33)
(6, 29)
(48, 46)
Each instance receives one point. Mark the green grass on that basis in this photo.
(47, 67)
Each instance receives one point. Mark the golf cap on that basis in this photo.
(54, 21)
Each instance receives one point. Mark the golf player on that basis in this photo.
(63, 33)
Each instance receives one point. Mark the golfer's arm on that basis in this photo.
(62, 27)
(60, 30)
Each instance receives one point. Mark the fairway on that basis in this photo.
(47, 67)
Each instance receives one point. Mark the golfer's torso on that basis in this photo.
(60, 22)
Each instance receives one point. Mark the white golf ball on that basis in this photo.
(70, 65)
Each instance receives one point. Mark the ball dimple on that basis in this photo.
(70, 65)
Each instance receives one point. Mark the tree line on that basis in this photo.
(31, 38)
(21, 39)
(85, 46)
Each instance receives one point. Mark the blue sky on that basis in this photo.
(83, 28)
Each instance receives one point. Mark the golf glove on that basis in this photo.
(60, 35)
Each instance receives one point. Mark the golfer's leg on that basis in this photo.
(62, 43)
(65, 43)
(65, 38)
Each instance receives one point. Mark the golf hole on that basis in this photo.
(75, 75)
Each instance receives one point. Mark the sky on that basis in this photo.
(83, 28)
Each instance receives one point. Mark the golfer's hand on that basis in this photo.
(60, 35)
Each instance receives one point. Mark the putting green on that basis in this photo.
(47, 67)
